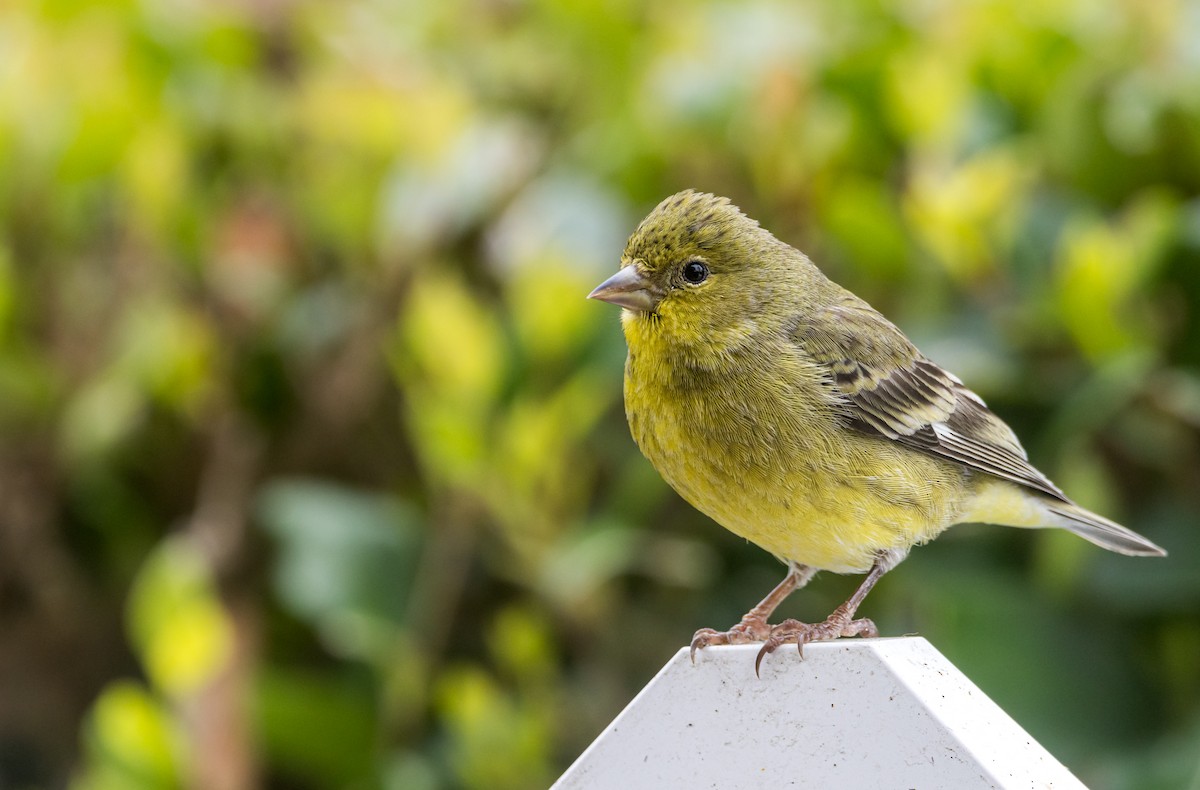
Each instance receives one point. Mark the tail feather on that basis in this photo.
(1104, 533)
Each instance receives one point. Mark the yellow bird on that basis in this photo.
(793, 414)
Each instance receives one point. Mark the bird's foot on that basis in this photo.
(748, 631)
(837, 625)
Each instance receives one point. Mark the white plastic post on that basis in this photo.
(854, 713)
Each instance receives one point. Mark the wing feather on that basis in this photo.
(892, 390)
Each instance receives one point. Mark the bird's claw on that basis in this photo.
(802, 633)
(748, 631)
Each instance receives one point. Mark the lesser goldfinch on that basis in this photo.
(793, 414)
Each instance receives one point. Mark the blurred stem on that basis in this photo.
(216, 716)
(439, 585)
(223, 750)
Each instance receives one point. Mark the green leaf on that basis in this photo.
(316, 726)
(129, 741)
(182, 633)
(346, 560)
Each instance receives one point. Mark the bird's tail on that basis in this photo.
(1099, 530)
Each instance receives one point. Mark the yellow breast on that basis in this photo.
(763, 453)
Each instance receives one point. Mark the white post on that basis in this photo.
(854, 713)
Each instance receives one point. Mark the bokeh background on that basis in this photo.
(313, 466)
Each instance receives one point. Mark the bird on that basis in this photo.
(792, 413)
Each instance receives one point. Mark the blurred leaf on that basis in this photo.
(593, 556)
(180, 630)
(965, 211)
(99, 416)
(168, 351)
(550, 312)
(928, 95)
(860, 214)
(155, 175)
(1100, 268)
(565, 223)
(495, 741)
(317, 727)
(540, 468)
(129, 742)
(106, 112)
(425, 201)
(450, 353)
(522, 642)
(346, 561)
(590, 558)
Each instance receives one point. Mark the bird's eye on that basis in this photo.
(695, 272)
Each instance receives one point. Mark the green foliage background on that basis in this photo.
(313, 468)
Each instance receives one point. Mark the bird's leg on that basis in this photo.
(840, 623)
(753, 626)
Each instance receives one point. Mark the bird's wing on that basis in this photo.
(892, 390)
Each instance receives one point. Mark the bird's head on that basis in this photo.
(696, 271)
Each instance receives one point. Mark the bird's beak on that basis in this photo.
(628, 288)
